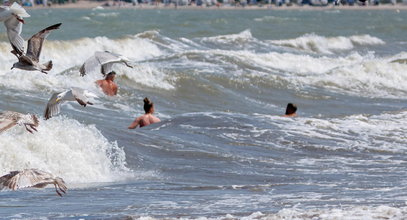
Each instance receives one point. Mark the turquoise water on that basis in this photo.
(220, 81)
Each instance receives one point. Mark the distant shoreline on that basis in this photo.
(83, 4)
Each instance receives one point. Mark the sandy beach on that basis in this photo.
(124, 5)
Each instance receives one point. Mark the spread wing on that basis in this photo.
(14, 28)
(103, 60)
(36, 41)
(6, 123)
(89, 65)
(26, 178)
(80, 96)
(53, 107)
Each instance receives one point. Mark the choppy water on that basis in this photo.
(220, 80)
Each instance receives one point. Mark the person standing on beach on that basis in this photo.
(146, 119)
(108, 85)
(290, 110)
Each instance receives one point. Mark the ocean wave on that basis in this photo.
(57, 143)
(373, 133)
(240, 38)
(68, 56)
(328, 45)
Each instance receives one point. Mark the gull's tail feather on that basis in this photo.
(19, 10)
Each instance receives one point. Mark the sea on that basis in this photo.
(220, 81)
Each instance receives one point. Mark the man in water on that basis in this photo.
(108, 86)
(146, 119)
(290, 110)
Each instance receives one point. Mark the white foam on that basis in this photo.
(355, 74)
(328, 45)
(239, 38)
(384, 133)
(68, 56)
(76, 152)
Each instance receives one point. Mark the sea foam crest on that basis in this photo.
(361, 75)
(328, 45)
(76, 152)
(239, 38)
(68, 56)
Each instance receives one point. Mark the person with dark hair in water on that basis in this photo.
(146, 119)
(108, 85)
(291, 110)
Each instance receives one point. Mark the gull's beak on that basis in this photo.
(57, 100)
(12, 67)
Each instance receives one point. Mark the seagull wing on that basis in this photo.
(14, 28)
(6, 121)
(80, 96)
(36, 41)
(53, 106)
(107, 59)
(26, 178)
(89, 65)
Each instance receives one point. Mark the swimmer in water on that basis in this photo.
(291, 110)
(146, 119)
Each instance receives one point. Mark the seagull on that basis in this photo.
(104, 61)
(30, 60)
(32, 178)
(74, 94)
(9, 118)
(13, 20)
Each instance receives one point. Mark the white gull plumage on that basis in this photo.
(104, 61)
(13, 20)
(31, 60)
(74, 94)
(32, 178)
(9, 119)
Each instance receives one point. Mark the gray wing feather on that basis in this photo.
(53, 107)
(36, 41)
(89, 65)
(26, 178)
(79, 95)
(14, 28)
(103, 60)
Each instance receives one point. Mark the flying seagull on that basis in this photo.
(104, 61)
(32, 178)
(8, 119)
(13, 20)
(74, 94)
(30, 60)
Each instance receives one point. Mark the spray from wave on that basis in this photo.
(76, 152)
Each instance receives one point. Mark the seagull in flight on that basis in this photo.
(13, 20)
(32, 178)
(9, 119)
(75, 94)
(103, 60)
(30, 61)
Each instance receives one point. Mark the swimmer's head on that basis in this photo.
(148, 106)
(291, 109)
(111, 75)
